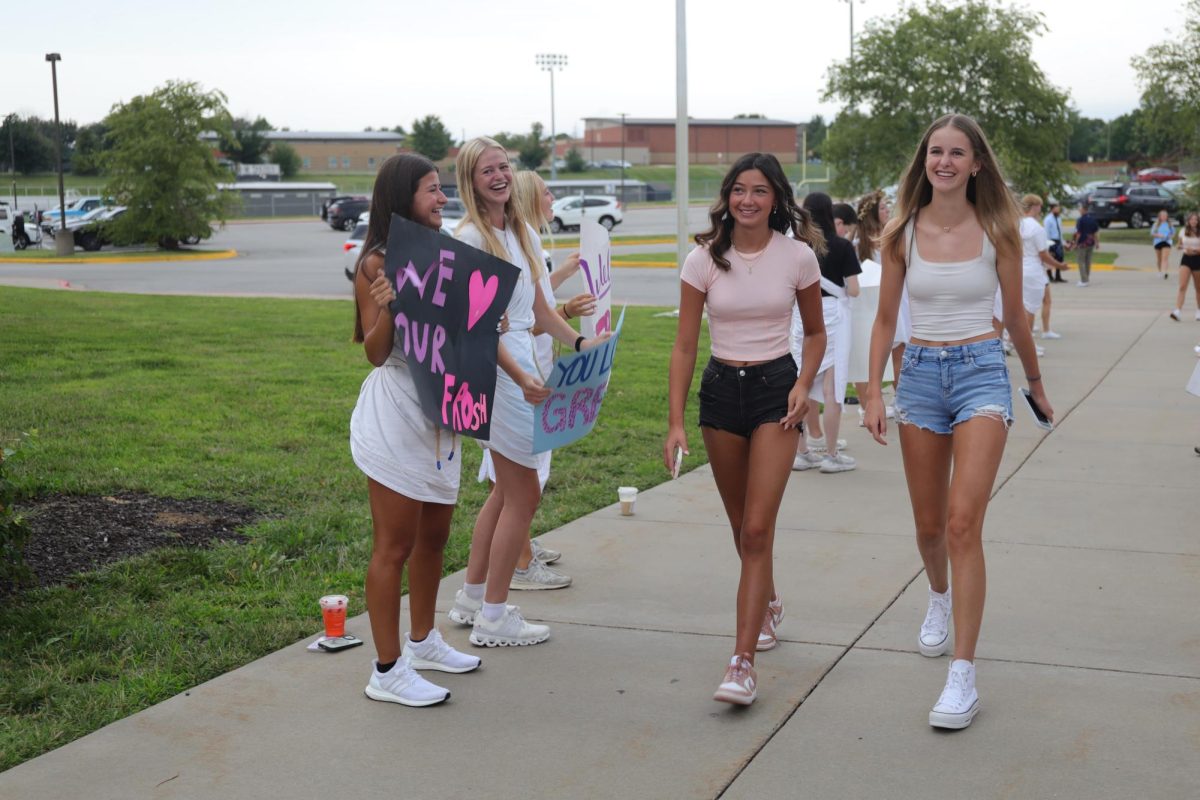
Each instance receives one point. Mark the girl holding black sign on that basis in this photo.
(412, 467)
(750, 276)
(494, 224)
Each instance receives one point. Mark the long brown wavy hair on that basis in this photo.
(869, 226)
(995, 208)
(786, 215)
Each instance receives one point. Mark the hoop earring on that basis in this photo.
(975, 174)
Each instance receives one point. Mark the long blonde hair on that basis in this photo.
(527, 198)
(994, 205)
(468, 159)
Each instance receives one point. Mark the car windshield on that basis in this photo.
(360, 231)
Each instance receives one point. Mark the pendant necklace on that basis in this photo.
(749, 262)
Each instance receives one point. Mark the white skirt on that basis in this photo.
(1033, 288)
(487, 468)
(393, 442)
(837, 348)
(512, 416)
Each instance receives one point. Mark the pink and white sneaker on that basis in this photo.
(740, 684)
(767, 638)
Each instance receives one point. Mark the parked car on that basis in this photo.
(75, 209)
(344, 213)
(570, 212)
(1156, 175)
(611, 163)
(92, 232)
(1134, 204)
(330, 201)
(1176, 187)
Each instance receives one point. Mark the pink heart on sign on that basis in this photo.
(480, 295)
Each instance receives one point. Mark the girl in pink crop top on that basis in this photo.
(749, 275)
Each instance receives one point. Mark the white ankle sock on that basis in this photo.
(493, 611)
(474, 590)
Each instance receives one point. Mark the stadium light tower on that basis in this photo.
(552, 62)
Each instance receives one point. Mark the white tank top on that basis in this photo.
(951, 300)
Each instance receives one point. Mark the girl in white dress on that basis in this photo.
(412, 467)
(493, 224)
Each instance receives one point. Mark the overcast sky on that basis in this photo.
(311, 65)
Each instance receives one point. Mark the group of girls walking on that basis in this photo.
(953, 240)
(413, 467)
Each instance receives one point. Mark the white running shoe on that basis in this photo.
(959, 702)
(538, 576)
(809, 460)
(1041, 351)
(1198, 315)
(818, 445)
(768, 638)
(401, 684)
(1174, 315)
(511, 630)
(1051, 335)
(434, 653)
(544, 554)
(1082, 284)
(935, 630)
(740, 685)
(465, 608)
(839, 463)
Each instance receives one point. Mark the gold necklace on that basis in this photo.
(750, 262)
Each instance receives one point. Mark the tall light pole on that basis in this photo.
(10, 122)
(681, 133)
(552, 62)
(623, 115)
(64, 245)
(851, 2)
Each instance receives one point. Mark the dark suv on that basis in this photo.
(342, 214)
(1135, 204)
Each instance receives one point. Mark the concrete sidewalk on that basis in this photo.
(1089, 662)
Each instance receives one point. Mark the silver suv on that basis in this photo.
(570, 211)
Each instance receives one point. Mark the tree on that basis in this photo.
(1169, 74)
(90, 143)
(575, 161)
(247, 141)
(816, 132)
(533, 151)
(430, 138)
(509, 141)
(1088, 137)
(910, 69)
(160, 168)
(33, 151)
(286, 157)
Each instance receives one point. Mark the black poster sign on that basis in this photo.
(449, 300)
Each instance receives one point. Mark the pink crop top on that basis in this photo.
(750, 306)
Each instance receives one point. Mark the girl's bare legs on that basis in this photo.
(519, 493)
(832, 416)
(395, 520)
(425, 567)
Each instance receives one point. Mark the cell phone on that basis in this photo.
(1039, 417)
(339, 643)
(678, 462)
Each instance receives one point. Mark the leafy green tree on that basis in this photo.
(286, 157)
(509, 141)
(533, 150)
(430, 138)
(575, 161)
(816, 132)
(33, 151)
(1169, 75)
(1123, 138)
(1087, 137)
(90, 143)
(160, 168)
(972, 58)
(397, 129)
(246, 142)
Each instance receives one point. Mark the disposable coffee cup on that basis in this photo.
(627, 496)
(333, 610)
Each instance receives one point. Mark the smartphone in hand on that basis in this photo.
(1039, 417)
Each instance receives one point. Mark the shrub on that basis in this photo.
(13, 531)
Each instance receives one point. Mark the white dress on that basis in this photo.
(1033, 272)
(512, 416)
(394, 443)
(545, 358)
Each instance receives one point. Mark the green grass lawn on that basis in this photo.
(657, 258)
(246, 400)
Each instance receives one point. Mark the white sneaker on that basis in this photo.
(1037, 328)
(465, 608)
(544, 554)
(1041, 351)
(1082, 284)
(1198, 315)
(959, 702)
(768, 637)
(401, 684)
(538, 576)
(511, 630)
(935, 630)
(434, 653)
(740, 685)
(808, 460)
(1051, 335)
(838, 463)
(819, 444)
(1175, 315)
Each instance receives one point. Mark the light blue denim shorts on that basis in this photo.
(943, 386)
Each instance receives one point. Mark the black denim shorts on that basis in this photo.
(739, 399)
